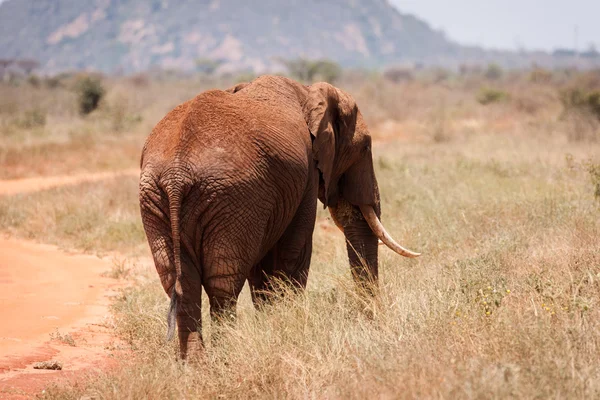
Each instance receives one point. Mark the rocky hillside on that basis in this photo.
(134, 35)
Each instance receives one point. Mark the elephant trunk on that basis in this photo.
(361, 243)
(364, 232)
(362, 247)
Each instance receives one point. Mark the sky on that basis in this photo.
(512, 24)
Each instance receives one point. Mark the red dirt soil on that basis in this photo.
(45, 291)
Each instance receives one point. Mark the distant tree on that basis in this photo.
(489, 95)
(494, 72)
(327, 70)
(564, 53)
(540, 75)
(207, 66)
(306, 70)
(439, 75)
(398, 74)
(27, 65)
(591, 52)
(89, 93)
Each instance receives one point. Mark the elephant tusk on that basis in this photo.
(332, 211)
(377, 227)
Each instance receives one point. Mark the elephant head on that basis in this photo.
(348, 187)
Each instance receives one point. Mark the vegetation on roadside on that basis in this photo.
(488, 96)
(94, 217)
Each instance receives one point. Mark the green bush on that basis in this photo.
(488, 96)
(494, 72)
(89, 93)
(580, 100)
(207, 66)
(34, 80)
(540, 75)
(312, 70)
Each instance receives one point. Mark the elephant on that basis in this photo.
(228, 193)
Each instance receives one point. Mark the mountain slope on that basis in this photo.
(134, 35)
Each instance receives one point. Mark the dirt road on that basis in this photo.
(28, 185)
(53, 305)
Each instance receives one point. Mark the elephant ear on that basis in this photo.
(237, 88)
(331, 116)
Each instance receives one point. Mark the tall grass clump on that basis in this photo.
(581, 101)
(490, 95)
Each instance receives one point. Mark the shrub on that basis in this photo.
(207, 66)
(34, 80)
(540, 75)
(245, 77)
(52, 82)
(581, 101)
(327, 70)
(89, 93)
(493, 72)
(439, 75)
(594, 171)
(306, 70)
(139, 80)
(488, 96)
(398, 74)
(32, 119)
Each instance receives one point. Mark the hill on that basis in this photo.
(134, 35)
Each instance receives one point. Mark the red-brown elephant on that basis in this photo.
(229, 188)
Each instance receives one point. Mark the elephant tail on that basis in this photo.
(174, 193)
(171, 316)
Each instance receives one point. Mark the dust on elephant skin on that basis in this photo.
(229, 189)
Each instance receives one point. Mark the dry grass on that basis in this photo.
(94, 217)
(110, 138)
(504, 302)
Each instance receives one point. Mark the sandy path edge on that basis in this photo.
(44, 290)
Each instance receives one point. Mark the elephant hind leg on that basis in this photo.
(188, 309)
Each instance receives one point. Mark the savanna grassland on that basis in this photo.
(495, 179)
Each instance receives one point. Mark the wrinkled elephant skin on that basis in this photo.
(229, 188)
